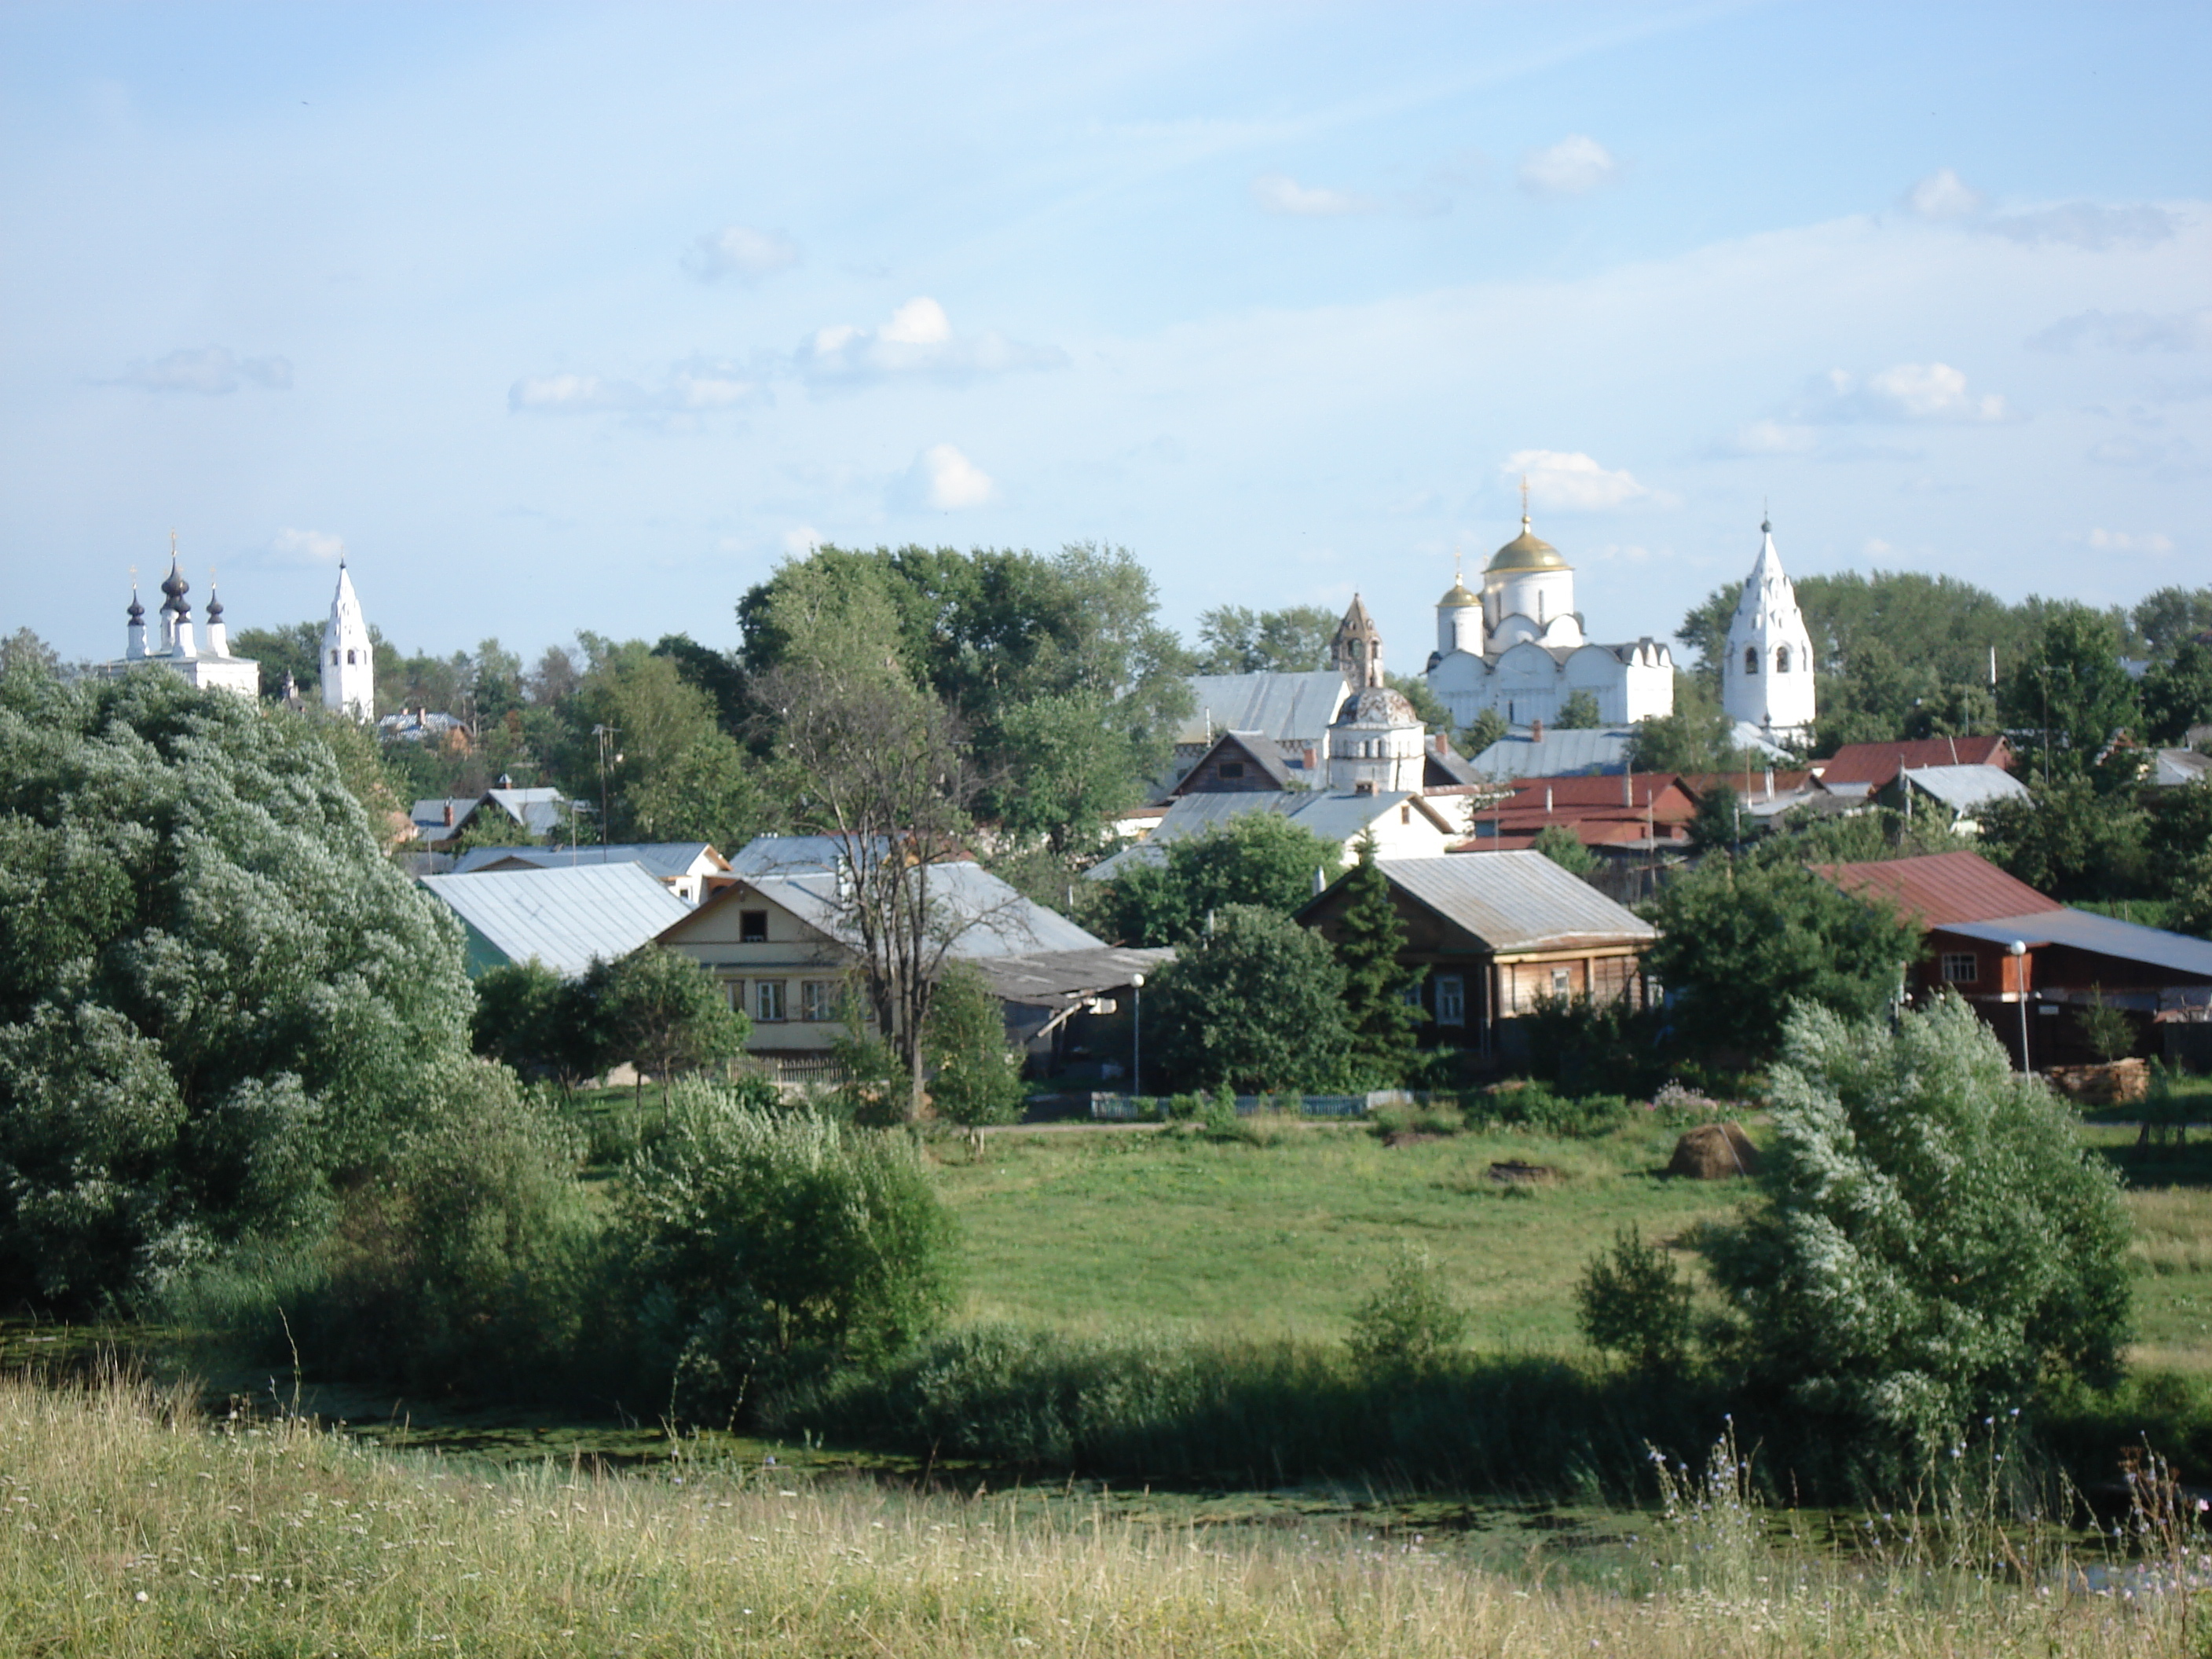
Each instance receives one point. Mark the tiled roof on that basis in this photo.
(1876, 765)
(561, 917)
(1940, 889)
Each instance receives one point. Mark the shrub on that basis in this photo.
(1256, 1005)
(1407, 1326)
(2107, 1030)
(1588, 1046)
(977, 1077)
(1532, 1106)
(1631, 1302)
(1932, 1243)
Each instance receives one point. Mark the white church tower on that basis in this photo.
(1767, 678)
(349, 660)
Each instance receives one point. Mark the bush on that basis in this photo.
(1532, 1106)
(1632, 1304)
(1257, 1005)
(1411, 1324)
(977, 1076)
(1934, 1243)
(760, 1244)
(1589, 1047)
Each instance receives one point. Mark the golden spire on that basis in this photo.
(1524, 501)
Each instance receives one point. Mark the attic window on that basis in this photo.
(1751, 660)
(1405, 815)
(753, 927)
(1232, 769)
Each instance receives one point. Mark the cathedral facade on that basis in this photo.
(202, 659)
(1518, 647)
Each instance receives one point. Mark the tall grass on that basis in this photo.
(132, 1528)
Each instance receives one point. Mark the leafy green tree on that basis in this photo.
(1741, 939)
(1688, 740)
(2171, 618)
(1432, 713)
(2107, 1029)
(528, 1017)
(2177, 693)
(1410, 1325)
(214, 991)
(2066, 840)
(1381, 1017)
(709, 790)
(2070, 685)
(1487, 728)
(1806, 836)
(1077, 774)
(296, 649)
(1580, 712)
(24, 653)
(1565, 848)
(1257, 858)
(1233, 638)
(976, 1076)
(1632, 1303)
(1720, 822)
(758, 1239)
(664, 1013)
(1933, 1243)
(1257, 1004)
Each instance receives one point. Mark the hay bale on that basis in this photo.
(2113, 1084)
(1714, 1151)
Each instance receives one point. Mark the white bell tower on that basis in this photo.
(1767, 678)
(348, 666)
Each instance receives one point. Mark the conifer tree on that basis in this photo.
(1378, 1015)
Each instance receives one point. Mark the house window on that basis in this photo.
(1232, 769)
(1781, 658)
(1452, 999)
(1563, 981)
(1959, 968)
(1751, 660)
(734, 989)
(753, 927)
(767, 1002)
(816, 1000)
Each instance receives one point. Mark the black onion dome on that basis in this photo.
(215, 607)
(137, 612)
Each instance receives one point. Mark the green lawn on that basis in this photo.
(1099, 1230)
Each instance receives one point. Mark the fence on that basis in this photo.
(1135, 1109)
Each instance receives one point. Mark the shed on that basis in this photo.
(562, 917)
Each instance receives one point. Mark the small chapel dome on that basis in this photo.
(1527, 551)
(1457, 595)
(1378, 705)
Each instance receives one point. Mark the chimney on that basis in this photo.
(1536, 730)
(1547, 797)
(1627, 789)
(1769, 783)
(1363, 787)
(1441, 742)
(449, 814)
(1313, 758)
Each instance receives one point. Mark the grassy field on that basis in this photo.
(132, 1528)
(1098, 1229)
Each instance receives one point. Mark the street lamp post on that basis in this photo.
(2018, 951)
(1136, 1037)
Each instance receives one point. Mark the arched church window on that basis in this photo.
(1751, 660)
(349, 657)
(334, 656)
(1781, 658)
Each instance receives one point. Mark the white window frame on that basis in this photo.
(817, 1001)
(1452, 999)
(769, 1001)
(1563, 981)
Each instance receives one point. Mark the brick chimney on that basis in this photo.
(1536, 731)
(1441, 742)
(449, 813)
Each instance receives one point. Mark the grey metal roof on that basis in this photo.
(539, 810)
(1556, 754)
(665, 860)
(1265, 752)
(431, 814)
(1054, 979)
(1288, 707)
(1516, 901)
(1334, 816)
(992, 918)
(2104, 936)
(1745, 735)
(2176, 767)
(561, 917)
(1962, 789)
(789, 856)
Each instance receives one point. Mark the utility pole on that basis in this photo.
(605, 734)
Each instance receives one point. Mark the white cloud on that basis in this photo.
(2085, 225)
(212, 371)
(1571, 483)
(699, 386)
(943, 479)
(2128, 331)
(739, 252)
(918, 340)
(1278, 192)
(1573, 167)
(1770, 438)
(293, 546)
(801, 540)
(1905, 392)
(2121, 541)
(1943, 195)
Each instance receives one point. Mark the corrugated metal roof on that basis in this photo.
(2177, 767)
(1941, 888)
(1556, 754)
(1516, 901)
(1334, 816)
(431, 814)
(791, 855)
(666, 859)
(1056, 978)
(1877, 764)
(1263, 751)
(1962, 789)
(561, 917)
(991, 919)
(2104, 936)
(1288, 707)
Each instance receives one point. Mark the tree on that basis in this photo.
(1742, 939)
(1633, 1304)
(709, 790)
(2070, 686)
(1719, 823)
(1077, 772)
(296, 649)
(1687, 740)
(1427, 708)
(24, 653)
(2171, 618)
(1257, 1004)
(2177, 693)
(1257, 858)
(215, 993)
(1579, 712)
(1409, 1324)
(664, 1013)
(1565, 848)
(527, 1017)
(1235, 640)
(1381, 1014)
(1487, 727)
(1932, 1243)
(2065, 840)
(977, 1078)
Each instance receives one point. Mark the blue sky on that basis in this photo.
(587, 318)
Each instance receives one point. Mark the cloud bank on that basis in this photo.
(942, 478)
(1570, 482)
(918, 342)
(210, 371)
(740, 253)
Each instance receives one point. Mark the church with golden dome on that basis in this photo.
(1518, 647)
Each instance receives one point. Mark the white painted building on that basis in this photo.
(348, 669)
(207, 662)
(1518, 647)
(1767, 679)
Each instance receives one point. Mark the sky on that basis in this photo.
(552, 318)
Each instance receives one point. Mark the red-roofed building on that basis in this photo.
(1632, 809)
(1868, 768)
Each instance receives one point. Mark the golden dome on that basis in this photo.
(1526, 551)
(1458, 596)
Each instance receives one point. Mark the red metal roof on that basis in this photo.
(1632, 792)
(1877, 764)
(1699, 784)
(1941, 888)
